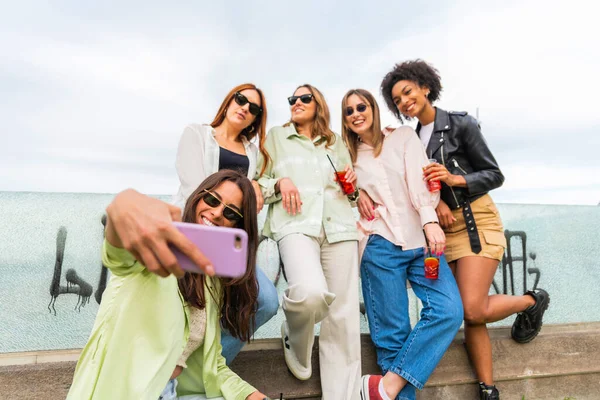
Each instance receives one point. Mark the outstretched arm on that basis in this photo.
(143, 226)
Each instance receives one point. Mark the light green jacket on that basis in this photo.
(305, 162)
(140, 331)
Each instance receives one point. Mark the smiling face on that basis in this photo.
(228, 193)
(410, 98)
(358, 122)
(303, 113)
(239, 117)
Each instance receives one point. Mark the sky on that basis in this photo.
(95, 95)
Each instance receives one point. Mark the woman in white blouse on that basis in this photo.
(396, 208)
(226, 143)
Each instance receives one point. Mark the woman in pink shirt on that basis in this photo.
(396, 208)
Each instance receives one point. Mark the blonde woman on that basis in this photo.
(396, 209)
(312, 221)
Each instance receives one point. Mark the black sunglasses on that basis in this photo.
(229, 212)
(361, 108)
(242, 100)
(305, 98)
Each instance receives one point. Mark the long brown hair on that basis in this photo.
(350, 138)
(320, 126)
(257, 128)
(238, 302)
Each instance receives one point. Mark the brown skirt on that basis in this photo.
(489, 226)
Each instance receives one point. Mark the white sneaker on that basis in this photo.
(299, 371)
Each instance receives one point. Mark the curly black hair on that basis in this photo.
(418, 71)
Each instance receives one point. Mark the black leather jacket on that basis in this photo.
(457, 143)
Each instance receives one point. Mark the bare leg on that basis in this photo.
(474, 277)
(393, 384)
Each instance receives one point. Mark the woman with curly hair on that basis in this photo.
(475, 239)
(312, 221)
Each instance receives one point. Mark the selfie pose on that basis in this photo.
(475, 239)
(396, 207)
(226, 144)
(157, 336)
(311, 218)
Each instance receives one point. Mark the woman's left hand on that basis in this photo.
(436, 171)
(436, 237)
(350, 175)
(260, 201)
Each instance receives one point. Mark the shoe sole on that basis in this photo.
(287, 354)
(529, 339)
(364, 388)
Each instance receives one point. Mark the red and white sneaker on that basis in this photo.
(369, 388)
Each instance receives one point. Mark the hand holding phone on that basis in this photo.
(226, 248)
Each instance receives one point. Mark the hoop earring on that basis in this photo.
(251, 129)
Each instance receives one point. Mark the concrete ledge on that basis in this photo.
(563, 361)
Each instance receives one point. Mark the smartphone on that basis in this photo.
(226, 248)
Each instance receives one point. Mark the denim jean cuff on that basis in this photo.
(407, 376)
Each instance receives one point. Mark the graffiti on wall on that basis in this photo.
(516, 253)
(75, 284)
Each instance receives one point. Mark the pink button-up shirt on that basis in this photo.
(394, 180)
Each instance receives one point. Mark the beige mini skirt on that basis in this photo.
(489, 227)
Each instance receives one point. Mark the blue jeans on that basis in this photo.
(268, 304)
(411, 353)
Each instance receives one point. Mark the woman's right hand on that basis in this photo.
(445, 215)
(290, 196)
(365, 206)
(144, 226)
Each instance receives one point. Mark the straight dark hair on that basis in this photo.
(238, 301)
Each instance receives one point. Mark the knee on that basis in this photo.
(454, 314)
(475, 314)
(309, 298)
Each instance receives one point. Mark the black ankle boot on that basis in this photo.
(488, 392)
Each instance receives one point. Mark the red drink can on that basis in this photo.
(434, 185)
(347, 187)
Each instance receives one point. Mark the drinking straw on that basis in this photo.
(331, 163)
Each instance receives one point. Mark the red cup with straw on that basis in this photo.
(347, 187)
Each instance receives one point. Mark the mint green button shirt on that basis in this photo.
(305, 162)
(141, 329)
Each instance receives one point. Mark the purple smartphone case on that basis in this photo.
(218, 244)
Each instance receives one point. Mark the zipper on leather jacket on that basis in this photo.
(444, 162)
(458, 166)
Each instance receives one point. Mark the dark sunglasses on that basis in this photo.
(229, 212)
(242, 100)
(305, 98)
(361, 108)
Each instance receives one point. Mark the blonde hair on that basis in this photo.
(350, 138)
(257, 128)
(320, 126)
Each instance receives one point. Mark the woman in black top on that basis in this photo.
(475, 240)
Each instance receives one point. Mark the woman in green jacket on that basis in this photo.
(155, 333)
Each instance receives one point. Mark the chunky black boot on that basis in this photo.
(528, 323)
(488, 392)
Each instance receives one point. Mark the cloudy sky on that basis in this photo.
(94, 97)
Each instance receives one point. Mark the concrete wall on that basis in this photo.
(51, 273)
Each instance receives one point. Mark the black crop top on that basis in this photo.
(230, 160)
